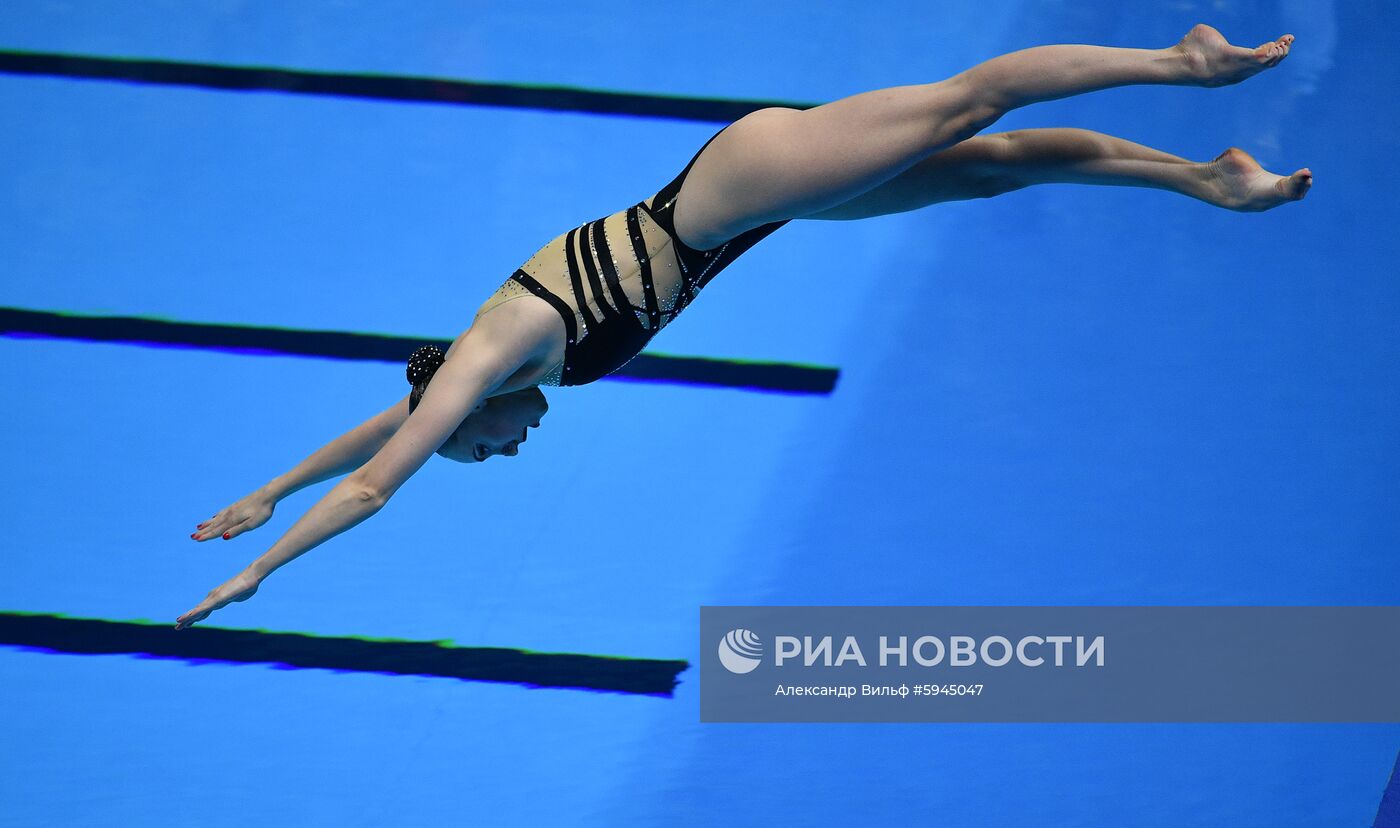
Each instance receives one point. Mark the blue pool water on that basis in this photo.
(1065, 395)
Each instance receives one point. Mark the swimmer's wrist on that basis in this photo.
(275, 489)
(255, 573)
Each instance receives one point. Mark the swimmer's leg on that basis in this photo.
(988, 165)
(778, 163)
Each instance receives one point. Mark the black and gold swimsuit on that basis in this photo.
(619, 280)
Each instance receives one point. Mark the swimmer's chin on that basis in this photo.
(456, 456)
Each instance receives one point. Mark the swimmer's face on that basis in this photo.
(498, 425)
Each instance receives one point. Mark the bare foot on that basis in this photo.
(1241, 184)
(1212, 61)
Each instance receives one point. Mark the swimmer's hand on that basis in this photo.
(240, 587)
(244, 516)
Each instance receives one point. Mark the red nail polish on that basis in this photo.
(226, 536)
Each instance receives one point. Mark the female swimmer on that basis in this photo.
(590, 299)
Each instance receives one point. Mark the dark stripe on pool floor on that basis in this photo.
(379, 87)
(199, 644)
(1388, 816)
(738, 374)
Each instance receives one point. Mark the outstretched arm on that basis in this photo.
(342, 455)
(479, 367)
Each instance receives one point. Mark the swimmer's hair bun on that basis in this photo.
(424, 363)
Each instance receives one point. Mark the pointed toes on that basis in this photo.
(1274, 51)
(1299, 183)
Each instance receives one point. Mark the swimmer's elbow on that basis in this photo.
(370, 497)
(366, 494)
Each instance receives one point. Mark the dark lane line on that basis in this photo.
(739, 374)
(91, 636)
(403, 88)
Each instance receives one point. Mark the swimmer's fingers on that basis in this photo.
(231, 527)
(244, 516)
(240, 587)
(199, 613)
(213, 527)
(234, 531)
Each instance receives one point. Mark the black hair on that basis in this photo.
(421, 367)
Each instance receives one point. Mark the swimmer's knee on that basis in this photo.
(990, 186)
(963, 110)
